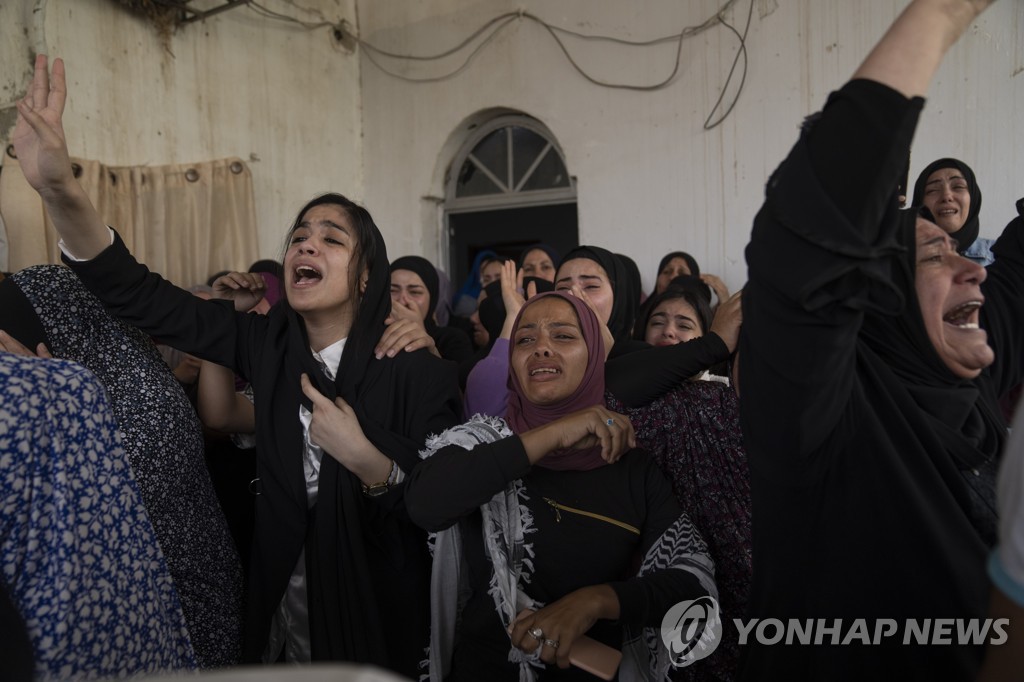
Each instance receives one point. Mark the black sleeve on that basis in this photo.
(640, 378)
(454, 482)
(1002, 316)
(428, 392)
(858, 148)
(821, 253)
(453, 344)
(211, 330)
(643, 600)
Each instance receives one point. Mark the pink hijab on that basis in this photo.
(522, 415)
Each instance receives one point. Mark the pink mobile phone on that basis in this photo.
(595, 658)
(590, 655)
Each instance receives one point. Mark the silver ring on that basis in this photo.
(536, 633)
(553, 643)
(609, 421)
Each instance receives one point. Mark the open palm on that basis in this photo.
(39, 134)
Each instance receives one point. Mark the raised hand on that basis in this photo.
(728, 318)
(717, 285)
(400, 311)
(511, 296)
(39, 132)
(404, 334)
(245, 289)
(43, 155)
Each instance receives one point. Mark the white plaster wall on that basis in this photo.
(650, 179)
(281, 97)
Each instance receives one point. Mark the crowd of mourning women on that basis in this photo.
(341, 457)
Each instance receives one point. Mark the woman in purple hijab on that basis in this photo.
(540, 519)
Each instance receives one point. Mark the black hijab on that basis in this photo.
(690, 262)
(633, 277)
(426, 271)
(624, 299)
(963, 413)
(967, 234)
(691, 295)
(344, 529)
(556, 260)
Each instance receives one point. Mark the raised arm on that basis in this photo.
(43, 154)
(909, 54)
(822, 245)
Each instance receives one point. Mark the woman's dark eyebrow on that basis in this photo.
(944, 239)
(328, 223)
(950, 179)
(569, 279)
(336, 226)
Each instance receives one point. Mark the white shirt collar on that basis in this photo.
(331, 356)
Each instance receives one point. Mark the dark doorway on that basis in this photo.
(508, 231)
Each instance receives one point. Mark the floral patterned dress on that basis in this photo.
(694, 435)
(78, 555)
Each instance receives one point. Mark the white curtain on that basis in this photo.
(184, 221)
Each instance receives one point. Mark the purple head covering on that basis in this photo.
(522, 415)
(273, 291)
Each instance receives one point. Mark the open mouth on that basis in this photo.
(305, 274)
(544, 370)
(964, 316)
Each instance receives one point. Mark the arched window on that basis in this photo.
(507, 188)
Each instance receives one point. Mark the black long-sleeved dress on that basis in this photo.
(367, 566)
(588, 528)
(871, 465)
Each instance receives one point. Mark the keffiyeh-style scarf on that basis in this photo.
(506, 523)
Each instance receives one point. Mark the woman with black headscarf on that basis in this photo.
(539, 260)
(672, 265)
(868, 403)
(950, 192)
(636, 373)
(678, 264)
(338, 572)
(414, 286)
(607, 282)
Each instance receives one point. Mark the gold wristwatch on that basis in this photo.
(378, 489)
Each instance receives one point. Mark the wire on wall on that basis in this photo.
(741, 51)
(491, 28)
